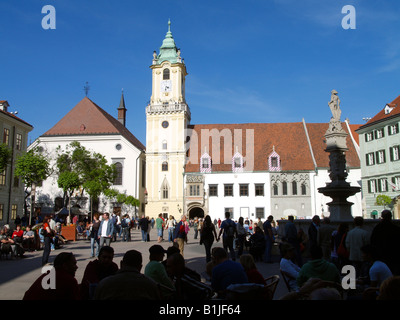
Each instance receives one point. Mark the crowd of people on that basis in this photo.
(310, 261)
(374, 256)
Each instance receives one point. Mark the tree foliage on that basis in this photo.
(79, 168)
(32, 167)
(5, 156)
(383, 200)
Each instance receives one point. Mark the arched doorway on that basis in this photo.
(196, 212)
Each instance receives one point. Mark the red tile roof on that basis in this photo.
(381, 116)
(87, 118)
(288, 139)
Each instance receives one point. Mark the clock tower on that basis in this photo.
(167, 117)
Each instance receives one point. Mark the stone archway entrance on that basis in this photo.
(196, 212)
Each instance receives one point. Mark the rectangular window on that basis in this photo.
(394, 153)
(260, 213)
(371, 186)
(237, 162)
(259, 189)
(244, 190)
(274, 161)
(379, 133)
(396, 183)
(3, 178)
(194, 190)
(204, 163)
(228, 190)
(16, 182)
(6, 136)
(370, 159)
(393, 129)
(18, 142)
(380, 156)
(382, 185)
(14, 208)
(1, 211)
(213, 190)
(369, 136)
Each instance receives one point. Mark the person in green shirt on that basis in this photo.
(156, 271)
(160, 227)
(318, 268)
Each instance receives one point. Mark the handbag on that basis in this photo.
(341, 251)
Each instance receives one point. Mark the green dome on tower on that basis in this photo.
(168, 49)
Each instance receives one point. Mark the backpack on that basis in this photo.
(230, 231)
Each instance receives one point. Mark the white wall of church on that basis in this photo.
(114, 148)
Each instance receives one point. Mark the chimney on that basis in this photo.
(122, 110)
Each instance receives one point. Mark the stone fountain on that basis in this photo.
(338, 189)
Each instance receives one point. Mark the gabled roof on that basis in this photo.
(382, 115)
(87, 118)
(289, 140)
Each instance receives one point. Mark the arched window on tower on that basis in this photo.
(284, 188)
(294, 187)
(165, 190)
(164, 166)
(303, 189)
(166, 74)
(275, 188)
(118, 178)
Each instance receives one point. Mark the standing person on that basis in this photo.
(339, 240)
(106, 230)
(47, 234)
(196, 227)
(355, 240)
(207, 236)
(241, 235)
(180, 234)
(143, 225)
(228, 227)
(269, 239)
(160, 227)
(324, 238)
(126, 228)
(386, 238)
(292, 237)
(149, 227)
(93, 235)
(170, 226)
(313, 231)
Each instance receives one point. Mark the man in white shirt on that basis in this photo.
(357, 238)
(289, 269)
(106, 230)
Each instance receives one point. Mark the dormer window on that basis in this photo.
(388, 109)
(205, 163)
(274, 161)
(237, 162)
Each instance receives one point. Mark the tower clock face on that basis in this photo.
(166, 86)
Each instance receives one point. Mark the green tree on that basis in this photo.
(383, 200)
(32, 167)
(5, 156)
(91, 171)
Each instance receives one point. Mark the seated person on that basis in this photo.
(28, 238)
(318, 268)
(5, 241)
(187, 287)
(97, 270)
(378, 272)
(170, 251)
(65, 288)
(17, 238)
(226, 272)
(156, 271)
(253, 275)
(288, 267)
(128, 283)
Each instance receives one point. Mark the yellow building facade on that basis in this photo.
(167, 117)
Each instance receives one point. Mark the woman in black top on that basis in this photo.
(208, 234)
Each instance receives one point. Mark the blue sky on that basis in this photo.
(248, 61)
